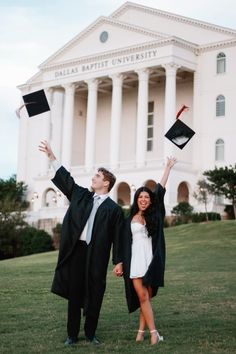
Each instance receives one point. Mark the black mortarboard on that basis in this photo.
(35, 103)
(179, 134)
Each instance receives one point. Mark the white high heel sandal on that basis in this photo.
(140, 335)
(157, 337)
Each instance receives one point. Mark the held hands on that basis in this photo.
(46, 148)
(118, 270)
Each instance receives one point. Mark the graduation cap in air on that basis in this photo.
(180, 134)
(35, 103)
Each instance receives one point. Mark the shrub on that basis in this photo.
(166, 222)
(229, 209)
(212, 216)
(10, 224)
(183, 212)
(32, 241)
(201, 217)
(126, 211)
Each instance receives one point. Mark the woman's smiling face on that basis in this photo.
(143, 201)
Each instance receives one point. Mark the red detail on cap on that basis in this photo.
(183, 108)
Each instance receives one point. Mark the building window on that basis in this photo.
(221, 63)
(123, 194)
(183, 193)
(220, 106)
(151, 184)
(150, 126)
(49, 198)
(219, 150)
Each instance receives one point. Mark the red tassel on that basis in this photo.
(181, 110)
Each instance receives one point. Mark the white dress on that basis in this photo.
(141, 250)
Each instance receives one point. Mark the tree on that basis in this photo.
(222, 181)
(183, 211)
(202, 194)
(12, 194)
(12, 204)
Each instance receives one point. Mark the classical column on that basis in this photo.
(46, 131)
(141, 133)
(116, 110)
(196, 114)
(170, 104)
(91, 124)
(68, 118)
(57, 121)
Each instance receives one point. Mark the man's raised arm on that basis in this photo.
(46, 148)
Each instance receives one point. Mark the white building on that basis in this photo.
(114, 91)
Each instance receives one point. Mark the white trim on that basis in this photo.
(102, 20)
(216, 45)
(178, 18)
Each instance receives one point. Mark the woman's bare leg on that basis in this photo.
(145, 304)
(146, 312)
(142, 324)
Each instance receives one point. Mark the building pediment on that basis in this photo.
(195, 31)
(104, 35)
(154, 52)
(131, 35)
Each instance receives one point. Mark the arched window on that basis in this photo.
(220, 106)
(219, 150)
(221, 63)
(183, 193)
(150, 184)
(123, 194)
(49, 198)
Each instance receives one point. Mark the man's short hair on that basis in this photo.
(108, 176)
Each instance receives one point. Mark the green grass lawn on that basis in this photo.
(195, 312)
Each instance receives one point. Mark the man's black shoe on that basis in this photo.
(93, 340)
(71, 341)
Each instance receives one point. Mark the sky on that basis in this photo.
(32, 30)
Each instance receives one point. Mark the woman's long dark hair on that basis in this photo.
(149, 214)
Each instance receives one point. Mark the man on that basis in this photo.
(91, 225)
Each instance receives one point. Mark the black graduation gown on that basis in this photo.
(106, 231)
(154, 276)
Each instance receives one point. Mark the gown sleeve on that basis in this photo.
(117, 251)
(159, 195)
(66, 184)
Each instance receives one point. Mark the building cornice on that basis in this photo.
(103, 20)
(126, 50)
(217, 45)
(178, 18)
(196, 49)
(111, 54)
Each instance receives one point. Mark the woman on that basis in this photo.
(144, 253)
